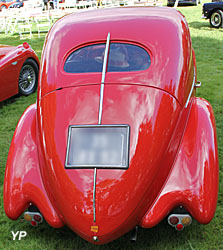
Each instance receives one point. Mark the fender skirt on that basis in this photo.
(23, 183)
(193, 179)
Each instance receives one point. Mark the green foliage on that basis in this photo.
(207, 43)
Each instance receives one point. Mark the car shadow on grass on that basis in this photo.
(9, 101)
(203, 25)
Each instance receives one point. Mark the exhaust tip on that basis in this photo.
(134, 234)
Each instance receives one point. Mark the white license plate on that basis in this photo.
(98, 146)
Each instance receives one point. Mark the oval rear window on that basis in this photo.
(122, 58)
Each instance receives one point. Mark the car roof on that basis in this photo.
(118, 22)
(162, 31)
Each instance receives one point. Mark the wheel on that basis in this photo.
(216, 19)
(28, 77)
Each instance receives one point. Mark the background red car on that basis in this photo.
(19, 69)
(4, 4)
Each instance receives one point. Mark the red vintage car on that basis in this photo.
(117, 138)
(19, 68)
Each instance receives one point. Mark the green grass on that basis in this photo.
(208, 44)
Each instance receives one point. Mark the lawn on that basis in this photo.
(208, 44)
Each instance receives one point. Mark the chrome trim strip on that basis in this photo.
(101, 103)
(100, 113)
(191, 91)
(68, 146)
(123, 148)
(103, 78)
(105, 58)
(94, 193)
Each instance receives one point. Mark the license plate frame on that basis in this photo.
(81, 136)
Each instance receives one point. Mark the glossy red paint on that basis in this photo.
(173, 158)
(193, 179)
(150, 26)
(11, 61)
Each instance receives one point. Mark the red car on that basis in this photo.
(4, 4)
(117, 138)
(19, 67)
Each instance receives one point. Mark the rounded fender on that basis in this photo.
(193, 180)
(23, 183)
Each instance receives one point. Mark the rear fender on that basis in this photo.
(23, 183)
(193, 180)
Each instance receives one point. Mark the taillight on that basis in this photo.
(26, 45)
(179, 221)
(174, 220)
(33, 217)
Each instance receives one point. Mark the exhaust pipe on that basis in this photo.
(134, 234)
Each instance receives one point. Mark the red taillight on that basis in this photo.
(34, 223)
(37, 218)
(25, 45)
(173, 220)
(179, 227)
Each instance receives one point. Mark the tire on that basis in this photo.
(28, 77)
(216, 19)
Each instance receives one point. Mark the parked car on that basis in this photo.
(4, 4)
(183, 2)
(214, 12)
(117, 138)
(17, 4)
(19, 68)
